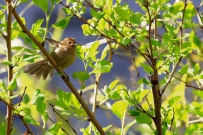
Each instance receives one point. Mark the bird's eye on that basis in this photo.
(70, 42)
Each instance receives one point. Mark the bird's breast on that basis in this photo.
(64, 56)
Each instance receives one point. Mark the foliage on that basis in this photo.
(161, 41)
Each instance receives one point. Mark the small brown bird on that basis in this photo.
(64, 54)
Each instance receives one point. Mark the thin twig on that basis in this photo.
(142, 109)
(171, 76)
(20, 116)
(186, 84)
(150, 106)
(124, 58)
(63, 118)
(134, 65)
(19, 103)
(172, 120)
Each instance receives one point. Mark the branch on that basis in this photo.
(19, 103)
(64, 76)
(154, 79)
(20, 116)
(9, 67)
(172, 74)
(186, 84)
(63, 118)
(141, 109)
(181, 28)
(172, 120)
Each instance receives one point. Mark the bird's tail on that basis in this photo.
(40, 68)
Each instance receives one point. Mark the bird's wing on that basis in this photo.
(54, 42)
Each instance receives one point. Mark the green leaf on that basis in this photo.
(197, 41)
(143, 119)
(82, 11)
(102, 66)
(198, 93)
(92, 52)
(113, 84)
(62, 23)
(41, 108)
(117, 92)
(37, 98)
(54, 129)
(170, 28)
(162, 1)
(81, 76)
(155, 42)
(183, 70)
(146, 68)
(119, 108)
(126, 40)
(144, 81)
(54, 1)
(28, 119)
(136, 18)
(194, 129)
(166, 38)
(36, 26)
(43, 4)
(3, 128)
(75, 102)
(104, 52)
(19, 48)
(30, 58)
(64, 98)
(196, 68)
(2, 85)
(139, 94)
(7, 62)
(80, 52)
(177, 7)
(12, 84)
(196, 108)
(26, 98)
(86, 29)
(190, 10)
(123, 12)
(107, 127)
(97, 14)
(134, 113)
(174, 100)
(14, 34)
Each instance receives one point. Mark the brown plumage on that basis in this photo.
(64, 53)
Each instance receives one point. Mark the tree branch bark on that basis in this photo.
(9, 67)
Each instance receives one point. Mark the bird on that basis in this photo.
(63, 53)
